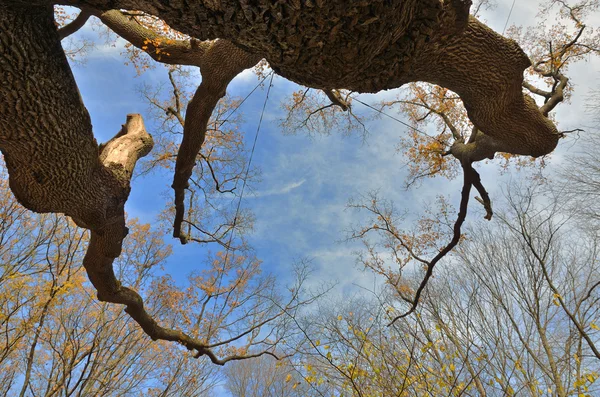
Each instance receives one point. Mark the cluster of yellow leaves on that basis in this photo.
(425, 103)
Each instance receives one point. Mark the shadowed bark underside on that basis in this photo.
(369, 46)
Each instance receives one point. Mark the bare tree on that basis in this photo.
(263, 376)
(514, 312)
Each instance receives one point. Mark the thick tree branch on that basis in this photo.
(55, 165)
(160, 48)
(222, 62)
(74, 25)
(507, 120)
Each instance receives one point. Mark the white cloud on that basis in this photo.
(279, 190)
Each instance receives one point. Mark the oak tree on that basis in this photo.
(55, 164)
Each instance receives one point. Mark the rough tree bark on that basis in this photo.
(53, 160)
(55, 165)
(368, 46)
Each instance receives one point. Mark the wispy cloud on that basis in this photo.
(279, 190)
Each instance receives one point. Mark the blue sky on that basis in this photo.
(300, 204)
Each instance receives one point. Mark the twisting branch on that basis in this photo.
(550, 66)
(119, 156)
(535, 90)
(470, 178)
(485, 198)
(216, 76)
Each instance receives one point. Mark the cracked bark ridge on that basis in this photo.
(53, 161)
(321, 44)
(45, 131)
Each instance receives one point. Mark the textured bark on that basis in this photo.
(53, 160)
(486, 71)
(371, 45)
(355, 44)
(45, 132)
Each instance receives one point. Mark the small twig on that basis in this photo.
(214, 176)
(564, 133)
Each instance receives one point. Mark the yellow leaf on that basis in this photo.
(591, 378)
(288, 377)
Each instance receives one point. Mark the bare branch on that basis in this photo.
(471, 178)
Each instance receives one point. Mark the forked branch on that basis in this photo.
(219, 62)
(471, 179)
